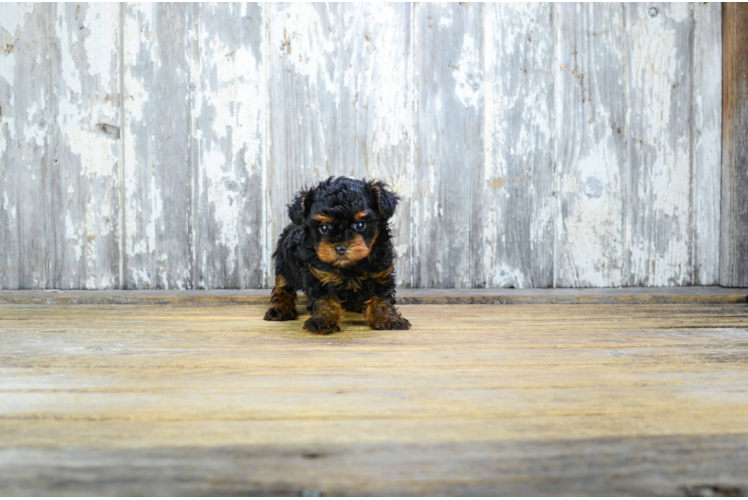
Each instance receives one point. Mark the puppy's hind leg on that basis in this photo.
(282, 301)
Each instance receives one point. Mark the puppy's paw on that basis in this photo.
(391, 323)
(278, 314)
(320, 325)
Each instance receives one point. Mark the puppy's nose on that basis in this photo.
(340, 249)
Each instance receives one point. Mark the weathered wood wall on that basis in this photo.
(534, 145)
(734, 216)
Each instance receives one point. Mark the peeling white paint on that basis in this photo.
(141, 277)
(14, 15)
(660, 256)
(355, 85)
(140, 222)
(35, 128)
(8, 209)
(492, 126)
(157, 206)
(706, 134)
(95, 150)
(223, 202)
(679, 11)
(69, 70)
(468, 74)
(299, 35)
(517, 139)
(593, 228)
(504, 276)
(73, 238)
(8, 66)
(101, 21)
(590, 146)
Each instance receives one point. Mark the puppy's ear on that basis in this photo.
(386, 199)
(298, 210)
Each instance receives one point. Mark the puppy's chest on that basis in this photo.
(353, 282)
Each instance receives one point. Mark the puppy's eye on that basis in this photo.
(358, 226)
(324, 229)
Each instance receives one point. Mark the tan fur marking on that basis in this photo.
(281, 297)
(376, 312)
(360, 215)
(371, 245)
(329, 309)
(382, 315)
(326, 252)
(329, 277)
(381, 276)
(325, 277)
(324, 219)
(357, 250)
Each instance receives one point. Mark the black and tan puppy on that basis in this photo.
(338, 250)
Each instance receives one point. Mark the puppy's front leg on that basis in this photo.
(380, 314)
(326, 315)
(282, 301)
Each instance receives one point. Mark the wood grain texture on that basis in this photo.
(24, 158)
(515, 196)
(628, 295)
(734, 213)
(227, 75)
(706, 129)
(84, 146)
(156, 146)
(447, 219)
(658, 219)
(340, 104)
(60, 146)
(649, 466)
(591, 124)
(158, 157)
(490, 399)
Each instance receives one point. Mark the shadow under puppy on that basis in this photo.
(338, 249)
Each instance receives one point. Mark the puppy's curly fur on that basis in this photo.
(338, 249)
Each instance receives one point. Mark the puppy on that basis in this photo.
(338, 250)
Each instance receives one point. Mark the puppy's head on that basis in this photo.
(343, 217)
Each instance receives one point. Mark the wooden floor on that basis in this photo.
(589, 399)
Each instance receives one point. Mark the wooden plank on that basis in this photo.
(228, 141)
(658, 218)
(270, 371)
(339, 104)
(59, 146)
(196, 211)
(706, 130)
(25, 255)
(733, 266)
(650, 466)
(304, 78)
(591, 146)
(473, 400)
(376, 109)
(84, 147)
(515, 242)
(158, 168)
(447, 219)
(629, 295)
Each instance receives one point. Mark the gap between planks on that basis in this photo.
(635, 295)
